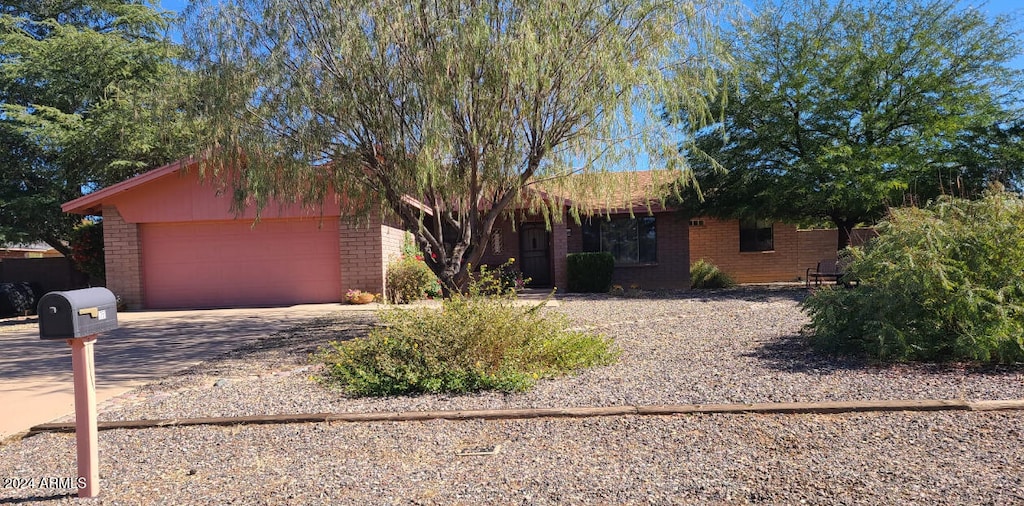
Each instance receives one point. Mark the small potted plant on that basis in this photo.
(359, 297)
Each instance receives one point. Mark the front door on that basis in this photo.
(533, 248)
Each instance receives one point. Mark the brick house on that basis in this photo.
(172, 241)
(753, 251)
(650, 242)
(655, 246)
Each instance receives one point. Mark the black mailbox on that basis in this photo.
(77, 313)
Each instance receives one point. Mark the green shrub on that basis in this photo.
(941, 283)
(504, 281)
(511, 277)
(408, 278)
(473, 343)
(590, 272)
(704, 274)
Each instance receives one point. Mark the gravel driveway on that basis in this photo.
(739, 345)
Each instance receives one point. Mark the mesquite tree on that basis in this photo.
(445, 114)
(844, 108)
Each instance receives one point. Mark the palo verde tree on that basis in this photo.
(843, 108)
(444, 114)
(88, 97)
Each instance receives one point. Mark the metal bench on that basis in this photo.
(829, 269)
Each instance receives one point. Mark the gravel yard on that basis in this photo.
(739, 345)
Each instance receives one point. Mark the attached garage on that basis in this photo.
(232, 263)
(171, 240)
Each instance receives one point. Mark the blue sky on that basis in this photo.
(992, 7)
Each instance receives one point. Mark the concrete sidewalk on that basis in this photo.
(35, 375)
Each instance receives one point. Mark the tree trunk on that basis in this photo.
(845, 227)
(451, 270)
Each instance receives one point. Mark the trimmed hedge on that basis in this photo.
(590, 272)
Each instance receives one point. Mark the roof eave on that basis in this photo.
(92, 203)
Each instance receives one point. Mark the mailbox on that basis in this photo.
(77, 313)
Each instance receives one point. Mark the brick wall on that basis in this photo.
(362, 256)
(672, 270)
(816, 245)
(509, 242)
(366, 249)
(718, 241)
(560, 235)
(123, 253)
(391, 237)
(820, 244)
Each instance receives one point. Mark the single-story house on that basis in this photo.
(649, 241)
(654, 245)
(34, 250)
(172, 241)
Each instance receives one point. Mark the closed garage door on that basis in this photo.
(229, 264)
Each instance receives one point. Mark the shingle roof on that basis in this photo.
(616, 191)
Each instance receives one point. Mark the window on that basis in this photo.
(497, 244)
(696, 223)
(756, 235)
(629, 240)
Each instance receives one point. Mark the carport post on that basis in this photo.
(86, 440)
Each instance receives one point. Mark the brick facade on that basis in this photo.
(559, 249)
(815, 245)
(365, 252)
(504, 247)
(123, 254)
(366, 249)
(670, 271)
(718, 241)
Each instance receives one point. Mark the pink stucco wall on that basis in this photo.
(182, 196)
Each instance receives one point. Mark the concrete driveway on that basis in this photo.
(35, 375)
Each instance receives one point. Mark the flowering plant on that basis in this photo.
(87, 249)
(359, 295)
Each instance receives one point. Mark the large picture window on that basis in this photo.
(629, 240)
(756, 235)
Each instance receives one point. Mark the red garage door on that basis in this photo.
(229, 264)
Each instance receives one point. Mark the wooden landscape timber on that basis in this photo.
(580, 412)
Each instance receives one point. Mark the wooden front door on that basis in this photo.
(535, 252)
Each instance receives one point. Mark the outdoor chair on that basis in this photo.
(829, 269)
